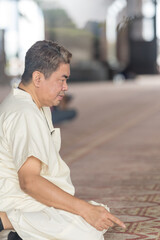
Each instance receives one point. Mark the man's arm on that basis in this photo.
(49, 194)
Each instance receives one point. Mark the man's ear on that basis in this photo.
(37, 78)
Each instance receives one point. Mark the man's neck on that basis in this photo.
(30, 89)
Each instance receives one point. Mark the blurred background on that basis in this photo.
(112, 41)
(109, 39)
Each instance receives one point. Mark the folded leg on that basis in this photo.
(52, 224)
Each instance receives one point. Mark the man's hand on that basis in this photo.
(100, 218)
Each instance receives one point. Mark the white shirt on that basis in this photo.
(26, 130)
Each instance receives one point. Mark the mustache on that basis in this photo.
(62, 93)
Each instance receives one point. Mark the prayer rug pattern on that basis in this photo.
(114, 154)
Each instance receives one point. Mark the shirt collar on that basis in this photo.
(17, 91)
(46, 110)
(48, 116)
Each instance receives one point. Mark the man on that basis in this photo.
(36, 193)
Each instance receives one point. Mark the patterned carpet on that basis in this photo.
(137, 198)
(141, 214)
(115, 156)
(113, 150)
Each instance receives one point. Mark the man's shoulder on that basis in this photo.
(13, 107)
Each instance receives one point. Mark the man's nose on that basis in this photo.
(65, 86)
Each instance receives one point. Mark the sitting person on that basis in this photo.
(37, 199)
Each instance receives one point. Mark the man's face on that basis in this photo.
(52, 89)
